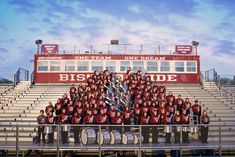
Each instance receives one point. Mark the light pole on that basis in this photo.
(195, 44)
(38, 43)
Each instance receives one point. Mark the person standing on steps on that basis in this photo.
(41, 119)
(205, 120)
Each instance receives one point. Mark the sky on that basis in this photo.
(148, 22)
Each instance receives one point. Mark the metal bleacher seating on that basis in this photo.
(22, 105)
(217, 106)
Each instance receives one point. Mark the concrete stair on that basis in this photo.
(24, 107)
(218, 107)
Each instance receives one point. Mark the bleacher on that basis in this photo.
(4, 87)
(22, 105)
(216, 105)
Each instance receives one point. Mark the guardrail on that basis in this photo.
(21, 74)
(118, 49)
(226, 80)
(32, 78)
(211, 76)
(129, 133)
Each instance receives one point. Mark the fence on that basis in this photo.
(21, 74)
(221, 80)
(226, 80)
(211, 76)
(131, 137)
(118, 49)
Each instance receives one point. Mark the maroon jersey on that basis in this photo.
(50, 119)
(196, 109)
(161, 110)
(49, 108)
(167, 119)
(79, 110)
(72, 91)
(63, 118)
(144, 120)
(118, 120)
(87, 109)
(65, 100)
(94, 111)
(58, 106)
(152, 109)
(170, 98)
(187, 106)
(144, 109)
(154, 119)
(178, 100)
(101, 119)
(137, 110)
(185, 118)
(104, 108)
(112, 113)
(70, 108)
(170, 109)
(177, 119)
(127, 114)
(89, 119)
(76, 119)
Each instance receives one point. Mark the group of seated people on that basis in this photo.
(109, 99)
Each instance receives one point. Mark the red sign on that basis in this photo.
(114, 57)
(82, 77)
(183, 49)
(50, 49)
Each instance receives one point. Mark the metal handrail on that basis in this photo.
(17, 75)
(137, 147)
(32, 78)
(119, 48)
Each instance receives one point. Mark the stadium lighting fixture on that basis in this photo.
(38, 43)
(195, 44)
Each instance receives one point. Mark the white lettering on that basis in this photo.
(162, 58)
(93, 57)
(131, 58)
(163, 77)
(64, 77)
(72, 77)
(171, 78)
(81, 57)
(152, 77)
(160, 77)
(152, 58)
(81, 77)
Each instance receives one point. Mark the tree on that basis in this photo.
(4, 80)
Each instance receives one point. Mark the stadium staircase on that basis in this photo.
(4, 88)
(217, 106)
(22, 104)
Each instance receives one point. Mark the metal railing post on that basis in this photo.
(220, 151)
(140, 141)
(181, 139)
(99, 133)
(58, 141)
(17, 140)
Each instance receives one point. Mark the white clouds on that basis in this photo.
(74, 23)
(135, 8)
(88, 13)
